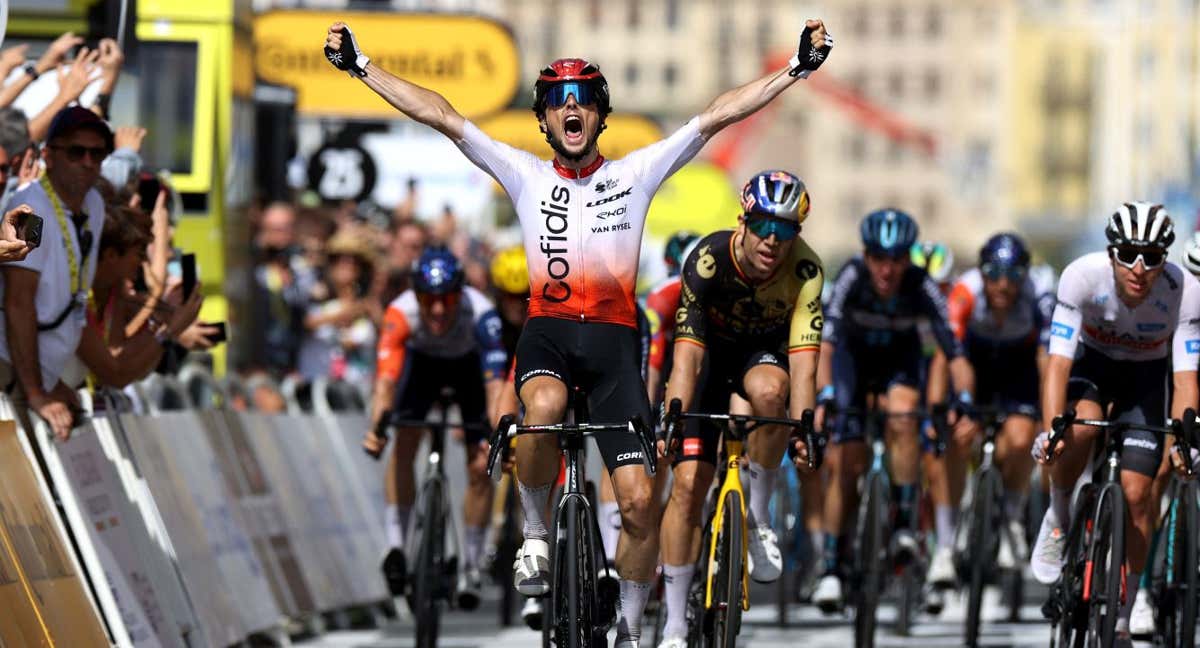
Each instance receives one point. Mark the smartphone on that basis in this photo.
(187, 266)
(29, 229)
(219, 336)
(148, 189)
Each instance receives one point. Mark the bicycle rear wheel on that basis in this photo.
(429, 587)
(980, 554)
(871, 559)
(785, 529)
(1106, 560)
(726, 608)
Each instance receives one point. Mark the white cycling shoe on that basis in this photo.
(1047, 559)
(828, 595)
(532, 568)
(942, 574)
(673, 642)
(1141, 617)
(765, 559)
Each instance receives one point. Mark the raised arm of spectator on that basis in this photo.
(49, 60)
(11, 59)
(125, 162)
(134, 358)
(739, 103)
(110, 60)
(418, 103)
(71, 83)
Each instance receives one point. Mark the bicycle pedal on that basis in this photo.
(1052, 610)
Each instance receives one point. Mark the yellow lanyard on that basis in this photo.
(72, 262)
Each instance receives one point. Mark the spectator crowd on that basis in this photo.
(98, 298)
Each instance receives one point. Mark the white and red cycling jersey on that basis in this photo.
(1090, 311)
(582, 229)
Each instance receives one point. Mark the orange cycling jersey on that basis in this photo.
(582, 228)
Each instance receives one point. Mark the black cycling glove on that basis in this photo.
(355, 65)
(809, 58)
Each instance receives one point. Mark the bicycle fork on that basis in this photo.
(731, 483)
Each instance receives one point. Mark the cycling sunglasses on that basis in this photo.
(994, 271)
(449, 300)
(76, 152)
(1151, 258)
(765, 226)
(556, 96)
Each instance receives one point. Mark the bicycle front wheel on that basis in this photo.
(429, 586)
(979, 554)
(727, 564)
(871, 558)
(1106, 558)
(507, 546)
(1179, 620)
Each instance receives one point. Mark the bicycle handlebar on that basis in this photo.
(388, 419)
(1182, 429)
(745, 423)
(507, 429)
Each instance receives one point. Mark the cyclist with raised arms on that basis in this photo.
(1125, 319)
(749, 326)
(1003, 322)
(437, 334)
(582, 218)
(871, 347)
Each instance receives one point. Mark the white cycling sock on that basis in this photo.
(676, 580)
(610, 528)
(944, 515)
(395, 523)
(1014, 506)
(473, 538)
(761, 487)
(1060, 501)
(633, 602)
(533, 504)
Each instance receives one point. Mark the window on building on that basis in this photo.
(860, 21)
(856, 147)
(896, 84)
(631, 73)
(896, 22)
(933, 84)
(594, 12)
(672, 14)
(895, 151)
(930, 209)
(858, 81)
(853, 206)
(933, 22)
(634, 17)
(670, 75)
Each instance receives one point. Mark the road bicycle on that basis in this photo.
(1085, 601)
(868, 578)
(979, 534)
(433, 560)
(578, 611)
(714, 618)
(1173, 585)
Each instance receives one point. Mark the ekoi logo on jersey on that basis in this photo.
(553, 245)
(1112, 338)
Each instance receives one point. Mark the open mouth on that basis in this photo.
(573, 128)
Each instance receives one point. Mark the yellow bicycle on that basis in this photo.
(720, 591)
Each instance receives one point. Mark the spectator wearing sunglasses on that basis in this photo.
(45, 294)
(1126, 319)
(871, 346)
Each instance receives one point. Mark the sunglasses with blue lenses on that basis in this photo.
(557, 95)
(765, 226)
(994, 271)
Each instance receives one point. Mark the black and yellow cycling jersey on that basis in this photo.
(719, 304)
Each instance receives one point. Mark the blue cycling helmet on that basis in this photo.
(889, 232)
(776, 193)
(1004, 250)
(437, 272)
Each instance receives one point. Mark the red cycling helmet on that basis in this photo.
(571, 69)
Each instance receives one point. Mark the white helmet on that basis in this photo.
(1191, 255)
(1141, 224)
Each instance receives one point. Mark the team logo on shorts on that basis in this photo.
(693, 446)
(1192, 346)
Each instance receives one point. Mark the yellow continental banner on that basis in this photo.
(43, 599)
(625, 133)
(471, 61)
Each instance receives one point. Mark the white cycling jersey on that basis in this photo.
(1090, 311)
(582, 229)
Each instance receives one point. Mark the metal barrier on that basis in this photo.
(202, 525)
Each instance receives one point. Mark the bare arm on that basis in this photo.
(20, 318)
(1186, 393)
(937, 384)
(739, 103)
(802, 368)
(135, 359)
(1054, 388)
(962, 374)
(492, 390)
(420, 104)
(685, 370)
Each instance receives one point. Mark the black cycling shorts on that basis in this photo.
(602, 359)
(870, 372)
(422, 382)
(723, 374)
(1136, 391)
